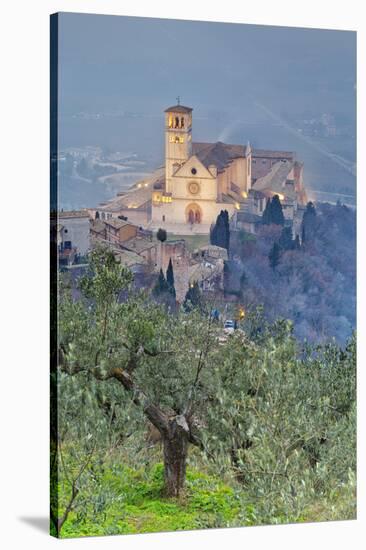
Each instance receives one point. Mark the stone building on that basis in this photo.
(75, 225)
(199, 179)
(118, 231)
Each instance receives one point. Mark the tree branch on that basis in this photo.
(200, 365)
(139, 398)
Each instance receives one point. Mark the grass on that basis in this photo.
(124, 500)
(193, 241)
(135, 504)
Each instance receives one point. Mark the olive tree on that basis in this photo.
(280, 415)
(159, 360)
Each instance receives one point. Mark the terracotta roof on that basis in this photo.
(212, 250)
(204, 271)
(117, 223)
(138, 244)
(128, 258)
(73, 214)
(220, 154)
(178, 109)
(97, 226)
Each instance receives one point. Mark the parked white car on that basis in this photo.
(229, 326)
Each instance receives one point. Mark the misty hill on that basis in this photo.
(314, 285)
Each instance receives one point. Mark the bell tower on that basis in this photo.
(178, 139)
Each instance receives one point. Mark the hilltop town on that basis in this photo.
(184, 197)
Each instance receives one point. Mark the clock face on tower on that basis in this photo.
(193, 187)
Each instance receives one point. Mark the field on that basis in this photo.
(193, 241)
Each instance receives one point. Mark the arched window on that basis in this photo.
(182, 122)
(176, 122)
(97, 215)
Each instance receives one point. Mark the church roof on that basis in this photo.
(137, 197)
(276, 178)
(220, 154)
(179, 109)
(268, 154)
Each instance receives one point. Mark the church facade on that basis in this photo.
(200, 179)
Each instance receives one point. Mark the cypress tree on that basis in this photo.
(220, 224)
(310, 212)
(213, 234)
(161, 235)
(226, 229)
(161, 285)
(170, 278)
(274, 256)
(220, 232)
(285, 240)
(276, 215)
(303, 236)
(266, 218)
(193, 297)
(308, 222)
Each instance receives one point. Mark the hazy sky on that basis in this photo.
(114, 62)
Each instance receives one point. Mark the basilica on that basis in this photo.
(198, 180)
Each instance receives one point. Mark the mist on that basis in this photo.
(245, 83)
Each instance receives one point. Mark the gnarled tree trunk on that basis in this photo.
(175, 445)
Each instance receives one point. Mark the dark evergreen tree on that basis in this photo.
(161, 286)
(220, 232)
(213, 233)
(161, 235)
(276, 215)
(266, 218)
(285, 241)
(303, 236)
(310, 211)
(193, 298)
(274, 256)
(226, 233)
(170, 278)
(243, 279)
(170, 273)
(217, 231)
(297, 244)
(308, 222)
